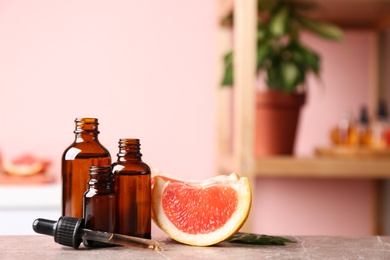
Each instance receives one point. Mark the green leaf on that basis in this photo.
(312, 59)
(227, 79)
(298, 57)
(278, 23)
(261, 33)
(290, 74)
(305, 58)
(228, 58)
(321, 28)
(255, 239)
(274, 79)
(263, 52)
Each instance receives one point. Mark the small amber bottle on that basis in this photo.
(364, 128)
(132, 188)
(380, 128)
(83, 153)
(345, 133)
(99, 203)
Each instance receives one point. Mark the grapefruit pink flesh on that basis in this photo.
(201, 213)
(195, 211)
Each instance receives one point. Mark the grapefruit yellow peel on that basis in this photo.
(240, 208)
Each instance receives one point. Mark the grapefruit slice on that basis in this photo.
(201, 213)
(25, 165)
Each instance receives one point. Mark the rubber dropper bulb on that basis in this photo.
(66, 231)
(45, 226)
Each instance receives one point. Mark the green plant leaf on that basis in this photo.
(305, 58)
(261, 33)
(298, 57)
(274, 79)
(263, 52)
(227, 79)
(255, 239)
(278, 23)
(290, 74)
(321, 28)
(312, 59)
(228, 58)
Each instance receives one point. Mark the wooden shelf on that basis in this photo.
(356, 14)
(316, 167)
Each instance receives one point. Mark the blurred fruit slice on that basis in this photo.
(201, 213)
(25, 165)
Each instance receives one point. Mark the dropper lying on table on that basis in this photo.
(70, 231)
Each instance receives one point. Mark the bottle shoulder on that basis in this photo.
(85, 149)
(87, 144)
(130, 168)
(93, 194)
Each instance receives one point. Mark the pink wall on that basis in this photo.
(144, 68)
(307, 206)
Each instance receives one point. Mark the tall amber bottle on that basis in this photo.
(132, 189)
(99, 203)
(84, 152)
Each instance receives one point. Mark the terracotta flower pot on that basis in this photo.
(277, 117)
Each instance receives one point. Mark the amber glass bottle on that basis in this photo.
(99, 203)
(83, 153)
(132, 189)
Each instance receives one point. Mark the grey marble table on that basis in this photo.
(309, 247)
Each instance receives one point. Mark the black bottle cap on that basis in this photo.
(66, 230)
(364, 119)
(382, 110)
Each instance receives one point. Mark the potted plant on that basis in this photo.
(285, 62)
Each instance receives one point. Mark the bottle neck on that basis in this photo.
(100, 178)
(85, 136)
(129, 150)
(86, 129)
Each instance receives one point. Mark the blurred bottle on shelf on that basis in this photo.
(364, 128)
(381, 127)
(346, 132)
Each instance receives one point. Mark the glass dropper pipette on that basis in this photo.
(70, 231)
(118, 239)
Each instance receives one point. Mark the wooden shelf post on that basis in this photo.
(245, 18)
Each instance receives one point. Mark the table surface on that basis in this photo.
(306, 247)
